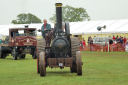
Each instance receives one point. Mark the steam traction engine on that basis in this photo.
(63, 50)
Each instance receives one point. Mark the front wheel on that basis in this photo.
(79, 63)
(73, 69)
(42, 64)
(23, 56)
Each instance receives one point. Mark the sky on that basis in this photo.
(44, 9)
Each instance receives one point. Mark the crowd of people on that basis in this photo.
(83, 42)
(118, 40)
(113, 41)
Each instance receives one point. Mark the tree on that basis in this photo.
(26, 19)
(71, 14)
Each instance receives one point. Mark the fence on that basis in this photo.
(107, 48)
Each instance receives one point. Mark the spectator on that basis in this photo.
(110, 41)
(82, 40)
(121, 40)
(105, 48)
(84, 44)
(80, 43)
(0, 41)
(105, 43)
(124, 40)
(118, 40)
(114, 46)
(91, 41)
(110, 44)
(116, 36)
(120, 37)
(126, 45)
(113, 38)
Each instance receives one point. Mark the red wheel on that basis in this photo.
(42, 64)
(38, 70)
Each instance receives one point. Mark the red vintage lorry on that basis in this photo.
(21, 41)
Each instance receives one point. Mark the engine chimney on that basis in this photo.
(59, 17)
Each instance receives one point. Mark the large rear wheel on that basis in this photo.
(40, 48)
(74, 48)
(42, 64)
(79, 63)
(40, 45)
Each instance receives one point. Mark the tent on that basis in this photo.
(79, 28)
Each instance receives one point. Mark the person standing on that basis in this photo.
(126, 45)
(124, 40)
(89, 40)
(84, 44)
(118, 40)
(45, 27)
(0, 41)
(82, 40)
(121, 40)
(113, 38)
(111, 44)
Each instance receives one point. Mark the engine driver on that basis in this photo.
(45, 27)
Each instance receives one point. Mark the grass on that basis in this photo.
(98, 69)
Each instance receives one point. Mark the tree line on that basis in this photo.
(69, 14)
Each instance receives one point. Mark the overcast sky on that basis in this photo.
(96, 9)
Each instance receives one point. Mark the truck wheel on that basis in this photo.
(14, 54)
(23, 56)
(38, 69)
(2, 54)
(42, 64)
(79, 63)
(34, 55)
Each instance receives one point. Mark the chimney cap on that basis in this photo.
(58, 4)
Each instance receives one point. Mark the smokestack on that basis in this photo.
(59, 16)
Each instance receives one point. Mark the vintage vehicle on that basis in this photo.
(21, 41)
(58, 49)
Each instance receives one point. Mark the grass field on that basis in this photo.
(98, 69)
